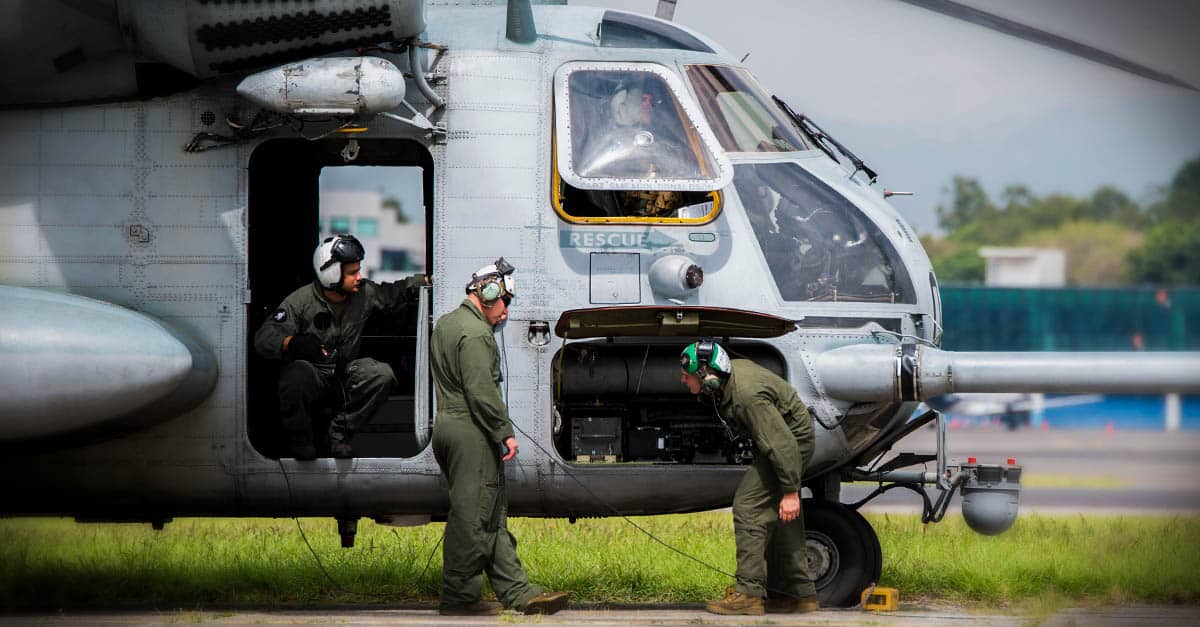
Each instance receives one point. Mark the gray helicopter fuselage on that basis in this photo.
(101, 201)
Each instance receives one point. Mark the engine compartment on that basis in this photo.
(624, 403)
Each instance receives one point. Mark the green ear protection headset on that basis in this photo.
(490, 290)
(492, 287)
(704, 357)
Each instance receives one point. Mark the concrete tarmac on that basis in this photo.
(1160, 616)
(1070, 471)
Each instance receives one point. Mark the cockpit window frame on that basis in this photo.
(905, 293)
(693, 118)
(656, 34)
(556, 199)
(757, 93)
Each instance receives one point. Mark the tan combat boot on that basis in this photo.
(792, 605)
(736, 604)
(547, 603)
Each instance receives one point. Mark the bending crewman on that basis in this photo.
(768, 524)
(471, 430)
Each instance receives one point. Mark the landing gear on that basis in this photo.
(844, 557)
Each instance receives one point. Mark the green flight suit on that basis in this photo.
(472, 422)
(360, 385)
(771, 554)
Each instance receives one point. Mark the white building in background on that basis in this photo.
(394, 250)
(1024, 267)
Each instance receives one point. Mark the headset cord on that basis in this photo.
(728, 430)
(614, 510)
(596, 497)
(339, 587)
(320, 565)
(500, 479)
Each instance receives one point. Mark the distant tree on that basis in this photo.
(954, 261)
(1171, 252)
(1052, 211)
(969, 203)
(1104, 235)
(1112, 205)
(1170, 256)
(393, 203)
(1096, 251)
(964, 266)
(1182, 201)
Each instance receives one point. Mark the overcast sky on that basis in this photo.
(922, 97)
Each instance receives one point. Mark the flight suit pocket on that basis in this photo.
(488, 503)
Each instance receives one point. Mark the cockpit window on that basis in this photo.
(740, 113)
(629, 30)
(632, 126)
(819, 246)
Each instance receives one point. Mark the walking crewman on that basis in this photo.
(472, 438)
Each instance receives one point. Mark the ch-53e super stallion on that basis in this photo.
(158, 198)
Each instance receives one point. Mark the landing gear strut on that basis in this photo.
(844, 557)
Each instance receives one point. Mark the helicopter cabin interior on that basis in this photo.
(290, 209)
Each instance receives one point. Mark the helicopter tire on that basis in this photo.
(844, 556)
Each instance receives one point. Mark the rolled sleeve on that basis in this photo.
(396, 294)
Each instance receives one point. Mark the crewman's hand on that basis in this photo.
(412, 288)
(789, 507)
(306, 346)
(510, 448)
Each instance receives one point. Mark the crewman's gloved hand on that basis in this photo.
(412, 289)
(306, 346)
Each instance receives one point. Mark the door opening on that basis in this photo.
(301, 192)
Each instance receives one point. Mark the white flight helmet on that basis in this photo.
(331, 254)
(492, 282)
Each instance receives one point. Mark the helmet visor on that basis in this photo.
(347, 249)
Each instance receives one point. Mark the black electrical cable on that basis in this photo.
(339, 587)
(431, 554)
(320, 565)
(596, 497)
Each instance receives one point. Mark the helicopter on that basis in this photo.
(161, 166)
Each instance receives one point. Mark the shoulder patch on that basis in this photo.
(280, 315)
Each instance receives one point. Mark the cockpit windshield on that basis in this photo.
(741, 115)
(819, 246)
(632, 126)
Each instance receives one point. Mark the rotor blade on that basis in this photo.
(1036, 35)
(665, 10)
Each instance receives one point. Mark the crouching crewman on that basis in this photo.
(317, 331)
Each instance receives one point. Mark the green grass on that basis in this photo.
(204, 563)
